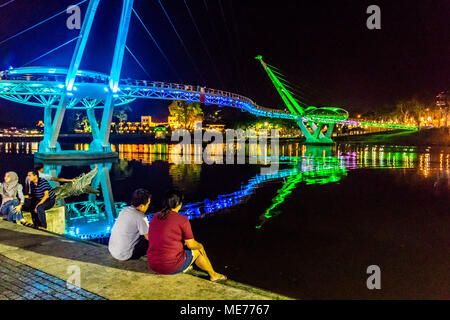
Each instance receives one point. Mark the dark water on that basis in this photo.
(309, 230)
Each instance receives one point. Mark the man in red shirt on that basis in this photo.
(168, 232)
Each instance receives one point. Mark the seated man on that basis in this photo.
(39, 167)
(42, 198)
(129, 235)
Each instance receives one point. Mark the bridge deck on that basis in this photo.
(41, 86)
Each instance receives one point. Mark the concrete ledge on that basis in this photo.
(109, 278)
(56, 219)
(73, 155)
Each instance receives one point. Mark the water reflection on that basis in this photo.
(300, 166)
(90, 219)
(364, 156)
(316, 167)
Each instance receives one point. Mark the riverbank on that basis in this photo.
(426, 137)
(111, 279)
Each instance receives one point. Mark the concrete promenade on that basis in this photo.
(34, 264)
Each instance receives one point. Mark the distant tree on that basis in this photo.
(121, 113)
(85, 125)
(75, 121)
(411, 108)
(186, 113)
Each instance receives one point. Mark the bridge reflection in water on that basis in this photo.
(94, 218)
(300, 165)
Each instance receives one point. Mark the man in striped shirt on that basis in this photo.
(42, 198)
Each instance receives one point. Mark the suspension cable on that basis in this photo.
(222, 49)
(235, 27)
(137, 61)
(301, 87)
(157, 45)
(48, 52)
(6, 3)
(181, 41)
(204, 45)
(39, 23)
(230, 42)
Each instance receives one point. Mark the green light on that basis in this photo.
(314, 170)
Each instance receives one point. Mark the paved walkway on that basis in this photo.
(35, 264)
(21, 282)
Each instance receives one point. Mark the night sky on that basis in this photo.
(322, 47)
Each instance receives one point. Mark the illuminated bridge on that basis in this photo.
(71, 88)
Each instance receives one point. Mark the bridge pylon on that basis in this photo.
(100, 147)
(311, 120)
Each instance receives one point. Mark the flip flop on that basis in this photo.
(188, 269)
(222, 277)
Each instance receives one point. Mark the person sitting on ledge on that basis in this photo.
(12, 198)
(42, 199)
(168, 232)
(129, 239)
(71, 187)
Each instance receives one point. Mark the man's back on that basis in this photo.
(129, 226)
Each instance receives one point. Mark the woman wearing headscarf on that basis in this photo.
(12, 197)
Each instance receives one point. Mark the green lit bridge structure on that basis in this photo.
(58, 89)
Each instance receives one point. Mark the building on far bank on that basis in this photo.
(215, 127)
(173, 123)
(443, 103)
(147, 126)
(146, 121)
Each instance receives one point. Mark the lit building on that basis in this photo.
(173, 123)
(146, 121)
(442, 101)
(216, 127)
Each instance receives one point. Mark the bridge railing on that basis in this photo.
(101, 79)
(158, 85)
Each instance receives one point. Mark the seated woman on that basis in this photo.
(168, 232)
(12, 198)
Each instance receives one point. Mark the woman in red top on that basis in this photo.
(168, 232)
